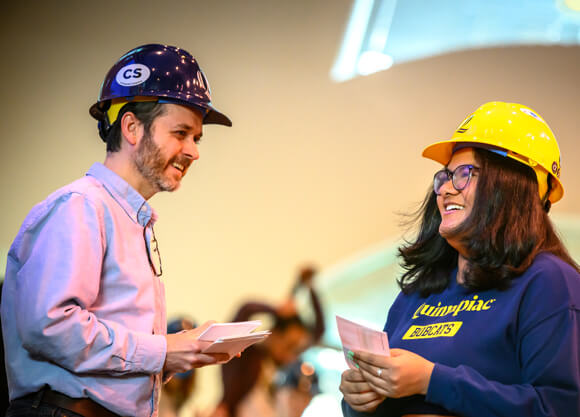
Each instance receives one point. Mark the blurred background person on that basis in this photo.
(247, 381)
(294, 387)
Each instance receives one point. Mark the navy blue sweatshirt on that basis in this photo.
(496, 353)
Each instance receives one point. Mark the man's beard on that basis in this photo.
(151, 164)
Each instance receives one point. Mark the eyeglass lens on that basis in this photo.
(459, 178)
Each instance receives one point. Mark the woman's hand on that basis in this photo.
(358, 393)
(402, 374)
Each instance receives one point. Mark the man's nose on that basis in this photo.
(190, 150)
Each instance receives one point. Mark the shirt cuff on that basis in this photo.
(150, 353)
(441, 389)
(347, 411)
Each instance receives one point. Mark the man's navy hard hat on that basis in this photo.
(158, 71)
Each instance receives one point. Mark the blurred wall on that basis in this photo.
(311, 170)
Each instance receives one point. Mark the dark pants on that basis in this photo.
(28, 407)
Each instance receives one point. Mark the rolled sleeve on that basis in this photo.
(150, 353)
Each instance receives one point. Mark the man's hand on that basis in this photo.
(402, 374)
(358, 393)
(184, 352)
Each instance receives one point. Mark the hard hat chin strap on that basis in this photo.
(104, 124)
(104, 127)
(546, 203)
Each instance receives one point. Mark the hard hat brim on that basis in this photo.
(213, 116)
(440, 151)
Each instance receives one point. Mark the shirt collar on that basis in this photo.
(126, 196)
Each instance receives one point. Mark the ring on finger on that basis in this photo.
(379, 371)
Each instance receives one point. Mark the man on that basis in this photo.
(83, 309)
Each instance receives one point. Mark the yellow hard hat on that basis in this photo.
(513, 130)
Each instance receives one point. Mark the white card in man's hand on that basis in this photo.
(231, 338)
(355, 336)
(237, 328)
(233, 345)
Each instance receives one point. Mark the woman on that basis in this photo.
(488, 319)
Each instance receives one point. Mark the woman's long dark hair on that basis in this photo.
(506, 229)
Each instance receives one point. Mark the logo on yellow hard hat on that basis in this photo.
(555, 169)
(531, 113)
(464, 125)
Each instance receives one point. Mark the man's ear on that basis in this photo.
(131, 128)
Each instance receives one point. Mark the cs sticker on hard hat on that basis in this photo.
(132, 74)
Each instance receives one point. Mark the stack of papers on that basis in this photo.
(358, 337)
(231, 338)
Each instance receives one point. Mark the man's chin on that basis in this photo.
(169, 186)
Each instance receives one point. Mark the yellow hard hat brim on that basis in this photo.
(440, 151)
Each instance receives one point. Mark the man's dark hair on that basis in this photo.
(506, 229)
(146, 112)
